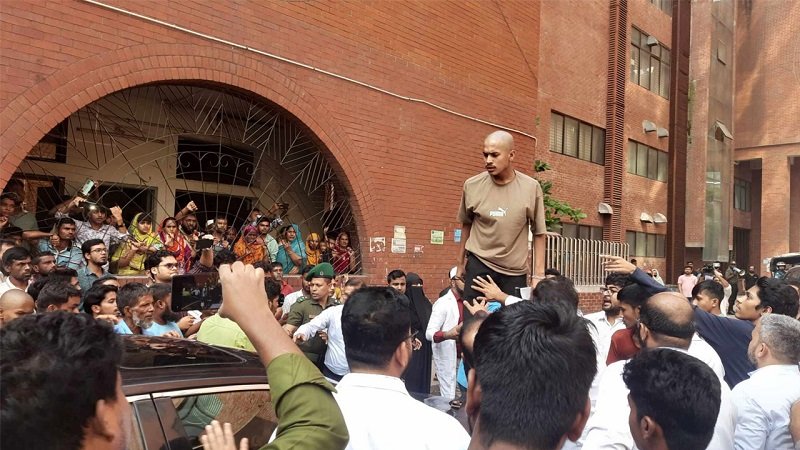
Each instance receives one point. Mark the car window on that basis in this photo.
(249, 412)
(135, 441)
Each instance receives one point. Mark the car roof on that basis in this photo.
(156, 364)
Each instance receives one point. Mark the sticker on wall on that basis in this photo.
(399, 232)
(398, 245)
(418, 248)
(457, 235)
(377, 244)
(437, 237)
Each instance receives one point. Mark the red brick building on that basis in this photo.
(372, 114)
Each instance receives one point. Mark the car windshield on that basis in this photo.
(146, 352)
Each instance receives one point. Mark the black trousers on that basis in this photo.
(475, 267)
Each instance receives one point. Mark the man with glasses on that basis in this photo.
(443, 329)
(378, 340)
(161, 266)
(666, 321)
(95, 257)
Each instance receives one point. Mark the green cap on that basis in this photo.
(321, 270)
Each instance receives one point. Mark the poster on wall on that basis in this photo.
(457, 235)
(437, 237)
(399, 232)
(398, 245)
(377, 244)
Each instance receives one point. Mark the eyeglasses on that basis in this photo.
(612, 290)
(169, 265)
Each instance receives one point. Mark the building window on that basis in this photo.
(649, 63)
(211, 162)
(741, 195)
(663, 5)
(645, 244)
(573, 230)
(647, 162)
(571, 137)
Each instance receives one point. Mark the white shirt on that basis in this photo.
(379, 413)
(330, 318)
(608, 427)
(763, 406)
(601, 331)
(703, 351)
(290, 300)
(6, 285)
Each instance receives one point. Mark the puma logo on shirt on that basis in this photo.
(499, 212)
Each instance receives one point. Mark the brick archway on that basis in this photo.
(31, 115)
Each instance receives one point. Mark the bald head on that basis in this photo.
(668, 321)
(14, 304)
(500, 139)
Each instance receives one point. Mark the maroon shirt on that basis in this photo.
(623, 346)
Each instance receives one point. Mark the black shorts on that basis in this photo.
(475, 267)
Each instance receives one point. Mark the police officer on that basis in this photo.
(320, 297)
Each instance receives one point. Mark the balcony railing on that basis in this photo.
(580, 259)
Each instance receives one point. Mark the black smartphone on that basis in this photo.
(200, 291)
(204, 244)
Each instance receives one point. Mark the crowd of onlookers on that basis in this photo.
(714, 365)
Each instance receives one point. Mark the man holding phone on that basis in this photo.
(95, 226)
(497, 209)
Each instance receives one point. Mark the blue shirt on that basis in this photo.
(122, 328)
(729, 337)
(71, 257)
(86, 278)
(159, 330)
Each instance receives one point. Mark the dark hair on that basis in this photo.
(55, 293)
(276, 265)
(37, 258)
(772, 292)
(62, 274)
(87, 245)
(711, 289)
(469, 323)
(307, 268)
(552, 350)
(659, 322)
(677, 391)
(7, 242)
(49, 361)
(354, 282)
(13, 196)
(633, 295)
(102, 279)
(558, 290)
(11, 230)
(375, 320)
(552, 272)
(160, 291)
(688, 267)
(36, 287)
(95, 296)
(15, 254)
(129, 295)
(395, 274)
(155, 259)
(617, 279)
(224, 256)
(63, 221)
(273, 288)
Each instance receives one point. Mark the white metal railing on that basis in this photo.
(580, 259)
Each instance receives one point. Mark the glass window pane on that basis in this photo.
(664, 81)
(570, 136)
(663, 166)
(598, 145)
(655, 64)
(556, 132)
(630, 239)
(665, 55)
(641, 244)
(641, 160)
(597, 233)
(635, 64)
(583, 232)
(643, 40)
(644, 69)
(635, 36)
(585, 142)
(569, 230)
(249, 412)
(651, 245)
(631, 157)
(660, 246)
(652, 164)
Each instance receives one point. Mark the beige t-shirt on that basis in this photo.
(500, 216)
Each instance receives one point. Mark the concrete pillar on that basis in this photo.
(775, 207)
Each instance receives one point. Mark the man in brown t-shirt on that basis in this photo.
(496, 208)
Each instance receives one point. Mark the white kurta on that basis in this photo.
(444, 316)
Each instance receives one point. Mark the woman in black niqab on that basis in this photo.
(418, 374)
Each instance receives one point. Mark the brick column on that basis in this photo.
(794, 207)
(775, 211)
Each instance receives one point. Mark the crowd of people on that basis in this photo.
(654, 369)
